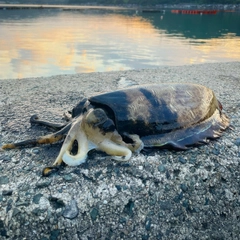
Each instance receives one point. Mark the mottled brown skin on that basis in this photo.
(122, 122)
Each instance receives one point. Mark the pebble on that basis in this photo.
(36, 198)
(36, 211)
(36, 151)
(182, 160)
(68, 178)
(94, 213)
(177, 213)
(56, 202)
(128, 209)
(54, 234)
(165, 205)
(15, 211)
(184, 187)
(237, 142)
(5, 158)
(71, 210)
(7, 192)
(43, 184)
(161, 168)
(4, 180)
(148, 223)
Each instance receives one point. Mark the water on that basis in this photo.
(38, 42)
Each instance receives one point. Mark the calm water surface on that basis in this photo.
(39, 42)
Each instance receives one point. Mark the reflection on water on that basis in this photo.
(48, 42)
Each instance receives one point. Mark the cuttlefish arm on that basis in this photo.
(96, 130)
(91, 130)
(47, 139)
(35, 120)
(75, 133)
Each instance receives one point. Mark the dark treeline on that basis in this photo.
(124, 2)
(154, 2)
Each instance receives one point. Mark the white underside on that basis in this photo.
(79, 158)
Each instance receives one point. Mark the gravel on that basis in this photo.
(158, 194)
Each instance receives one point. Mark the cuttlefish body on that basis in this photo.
(124, 121)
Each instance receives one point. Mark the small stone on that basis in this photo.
(117, 171)
(178, 197)
(71, 210)
(54, 234)
(15, 212)
(184, 187)
(216, 151)
(3, 231)
(43, 184)
(98, 174)
(4, 180)
(60, 190)
(237, 142)
(128, 209)
(36, 151)
(125, 164)
(56, 202)
(186, 203)
(118, 187)
(176, 172)
(148, 223)
(36, 198)
(7, 192)
(9, 205)
(122, 220)
(145, 237)
(36, 211)
(168, 176)
(228, 143)
(193, 160)
(16, 161)
(167, 188)
(5, 158)
(22, 203)
(182, 160)
(94, 214)
(177, 213)
(161, 168)
(165, 205)
(68, 178)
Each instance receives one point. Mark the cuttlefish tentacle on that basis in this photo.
(35, 120)
(118, 152)
(96, 130)
(48, 139)
(80, 157)
(65, 155)
(137, 145)
(102, 132)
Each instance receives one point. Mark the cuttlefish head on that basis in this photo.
(89, 130)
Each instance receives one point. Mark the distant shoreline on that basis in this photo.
(220, 7)
(73, 7)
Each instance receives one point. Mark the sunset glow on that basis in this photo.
(72, 43)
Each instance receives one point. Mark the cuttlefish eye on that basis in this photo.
(96, 116)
